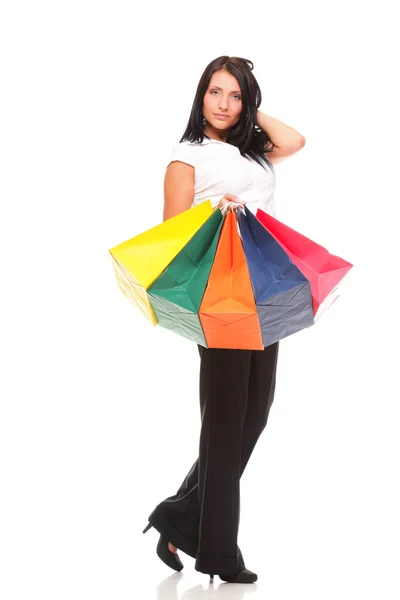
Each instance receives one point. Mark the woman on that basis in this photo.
(225, 155)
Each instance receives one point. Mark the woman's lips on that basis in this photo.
(221, 117)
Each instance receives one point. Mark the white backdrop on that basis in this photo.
(99, 410)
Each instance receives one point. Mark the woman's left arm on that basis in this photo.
(286, 139)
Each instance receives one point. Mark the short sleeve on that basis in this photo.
(184, 153)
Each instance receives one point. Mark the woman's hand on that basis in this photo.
(231, 198)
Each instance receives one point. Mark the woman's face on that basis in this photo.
(223, 97)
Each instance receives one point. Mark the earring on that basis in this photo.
(204, 121)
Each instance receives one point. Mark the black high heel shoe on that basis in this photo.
(244, 576)
(171, 559)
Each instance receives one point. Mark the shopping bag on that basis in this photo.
(281, 292)
(176, 294)
(325, 271)
(228, 313)
(138, 261)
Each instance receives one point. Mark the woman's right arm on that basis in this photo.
(178, 188)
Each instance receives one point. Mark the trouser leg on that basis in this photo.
(224, 379)
(261, 393)
(178, 516)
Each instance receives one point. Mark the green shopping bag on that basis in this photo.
(176, 294)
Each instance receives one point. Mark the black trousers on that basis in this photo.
(202, 519)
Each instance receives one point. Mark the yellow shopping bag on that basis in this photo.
(141, 259)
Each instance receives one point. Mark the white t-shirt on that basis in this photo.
(219, 169)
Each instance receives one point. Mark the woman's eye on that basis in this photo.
(235, 96)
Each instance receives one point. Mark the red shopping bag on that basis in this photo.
(325, 271)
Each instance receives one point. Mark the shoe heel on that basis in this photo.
(211, 578)
(147, 527)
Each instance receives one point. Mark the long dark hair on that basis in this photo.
(249, 138)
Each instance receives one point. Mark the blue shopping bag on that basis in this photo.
(282, 293)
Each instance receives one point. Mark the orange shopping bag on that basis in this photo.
(228, 313)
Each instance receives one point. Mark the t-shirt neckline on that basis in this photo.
(220, 142)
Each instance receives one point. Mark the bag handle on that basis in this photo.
(224, 208)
